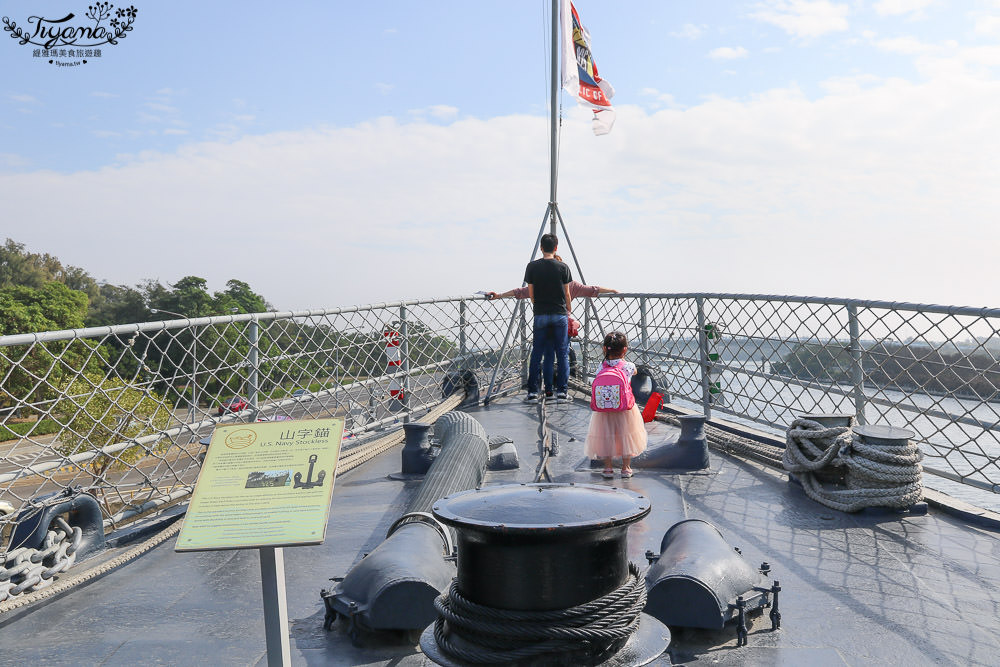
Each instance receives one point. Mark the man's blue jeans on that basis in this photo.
(551, 335)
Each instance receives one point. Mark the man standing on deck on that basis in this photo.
(548, 288)
(576, 291)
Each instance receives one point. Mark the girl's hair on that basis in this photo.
(614, 345)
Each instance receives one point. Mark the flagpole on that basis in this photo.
(553, 118)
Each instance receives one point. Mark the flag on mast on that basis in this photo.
(579, 71)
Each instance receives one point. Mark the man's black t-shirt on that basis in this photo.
(549, 277)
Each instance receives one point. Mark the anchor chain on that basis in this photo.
(547, 444)
(25, 570)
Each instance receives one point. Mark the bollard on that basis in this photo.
(416, 455)
(690, 452)
(833, 474)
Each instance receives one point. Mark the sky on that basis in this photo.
(344, 153)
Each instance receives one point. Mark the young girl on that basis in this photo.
(620, 432)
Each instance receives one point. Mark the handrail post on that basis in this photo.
(706, 396)
(253, 381)
(857, 369)
(522, 325)
(462, 324)
(194, 376)
(405, 367)
(643, 330)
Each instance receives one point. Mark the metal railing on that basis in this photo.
(122, 410)
(766, 360)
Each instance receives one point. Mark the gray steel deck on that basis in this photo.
(856, 589)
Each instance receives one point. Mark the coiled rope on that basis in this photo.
(478, 634)
(877, 475)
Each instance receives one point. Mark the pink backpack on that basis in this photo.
(611, 390)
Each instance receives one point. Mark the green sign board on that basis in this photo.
(267, 484)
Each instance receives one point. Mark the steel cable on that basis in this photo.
(479, 634)
(545, 444)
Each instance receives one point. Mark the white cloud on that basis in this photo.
(907, 46)
(782, 193)
(23, 98)
(660, 99)
(101, 93)
(11, 160)
(728, 53)
(843, 85)
(175, 131)
(443, 111)
(987, 25)
(804, 18)
(384, 88)
(981, 55)
(688, 31)
(898, 7)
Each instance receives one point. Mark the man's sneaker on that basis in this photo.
(532, 397)
(561, 396)
(548, 393)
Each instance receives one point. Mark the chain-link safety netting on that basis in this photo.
(768, 360)
(125, 411)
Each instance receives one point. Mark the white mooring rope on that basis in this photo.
(877, 475)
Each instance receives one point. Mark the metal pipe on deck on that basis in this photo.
(394, 586)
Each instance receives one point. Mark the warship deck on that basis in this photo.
(857, 589)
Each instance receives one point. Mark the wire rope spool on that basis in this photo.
(543, 578)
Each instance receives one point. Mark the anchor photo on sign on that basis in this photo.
(308, 484)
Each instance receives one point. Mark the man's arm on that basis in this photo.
(569, 298)
(517, 293)
(531, 293)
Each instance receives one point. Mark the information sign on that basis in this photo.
(267, 484)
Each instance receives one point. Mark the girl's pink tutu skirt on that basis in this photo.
(616, 434)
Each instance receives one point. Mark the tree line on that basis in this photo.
(121, 387)
(900, 366)
(40, 293)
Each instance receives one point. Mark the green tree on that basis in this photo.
(32, 372)
(245, 299)
(188, 296)
(97, 412)
(220, 349)
(18, 267)
(118, 304)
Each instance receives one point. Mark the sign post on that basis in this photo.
(265, 486)
(272, 581)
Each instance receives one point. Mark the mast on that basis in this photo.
(553, 119)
